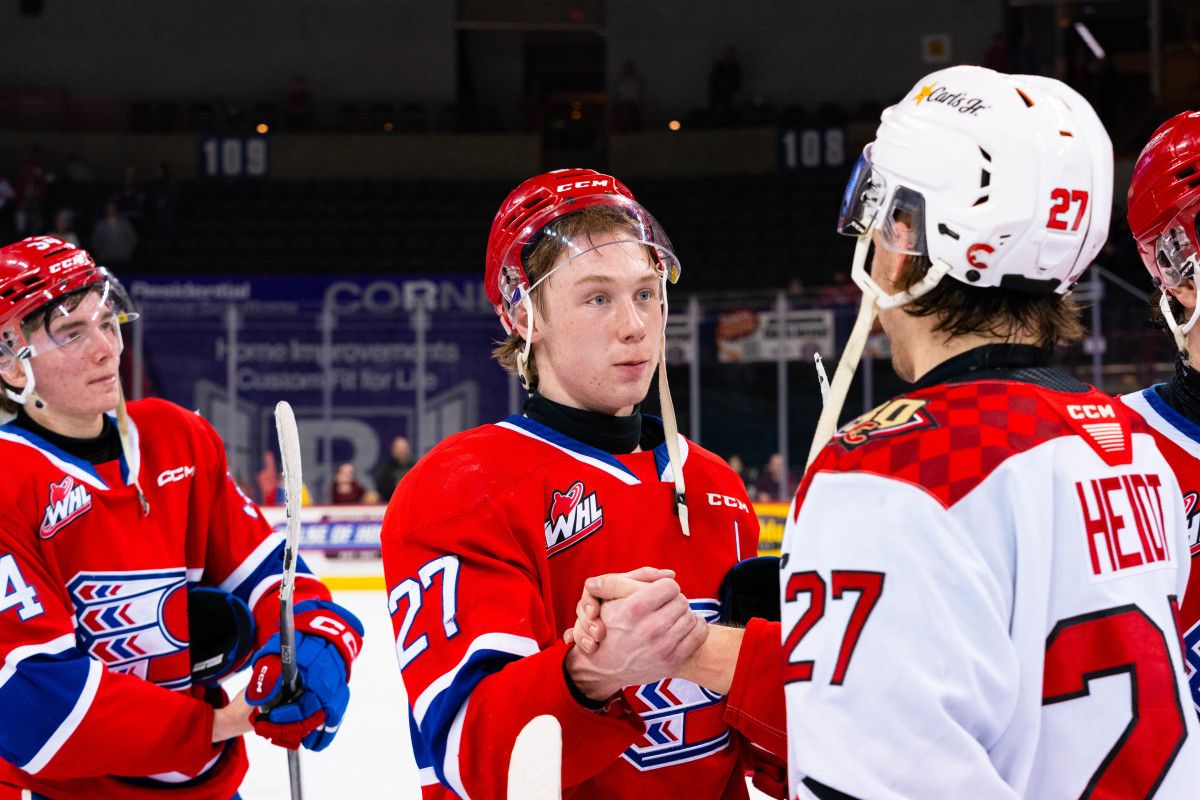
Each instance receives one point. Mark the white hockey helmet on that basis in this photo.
(1000, 180)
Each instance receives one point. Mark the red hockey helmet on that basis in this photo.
(1164, 200)
(40, 271)
(525, 214)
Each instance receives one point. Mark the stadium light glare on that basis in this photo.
(674, 125)
(262, 127)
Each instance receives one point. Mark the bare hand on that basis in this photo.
(233, 720)
(650, 633)
(588, 631)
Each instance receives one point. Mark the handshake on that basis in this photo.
(637, 627)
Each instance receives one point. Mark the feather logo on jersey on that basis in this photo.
(890, 419)
(1191, 509)
(573, 517)
(68, 503)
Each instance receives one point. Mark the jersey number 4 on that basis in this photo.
(1121, 640)
(867, 586)
(15, 592)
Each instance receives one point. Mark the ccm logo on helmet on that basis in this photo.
(1091, 412)
(566, 187)
(177, 474)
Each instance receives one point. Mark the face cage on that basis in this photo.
(16, 341)
(901, 228)
(1176, 250)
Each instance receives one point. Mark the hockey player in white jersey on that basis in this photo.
(1164, 203)
(979, 577)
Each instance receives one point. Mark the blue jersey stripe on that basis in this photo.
(567, 443)
(36, 700)
(271, 566)
(1178, 421)
(435, 728)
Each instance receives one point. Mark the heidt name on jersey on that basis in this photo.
(573, 517)
(1123, 523)
(68, 502)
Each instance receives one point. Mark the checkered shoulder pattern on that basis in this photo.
(948, 438)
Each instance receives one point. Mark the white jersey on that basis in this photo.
(979, 591)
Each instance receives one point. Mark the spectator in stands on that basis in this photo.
(8, 203)
(627, 110)
(77, 171)
(64, 226)
(724, 83)
(267, 480)
(389, 473)
(131, 198)
(768, 488)
(841, 291)
(162, 201)
(346, 490)
(299, 115)
(113, 238)
(739, 467)
(31, 195)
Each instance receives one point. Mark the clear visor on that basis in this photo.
(612, 236)
(1173, 256)
(871, 203)
(72, 322)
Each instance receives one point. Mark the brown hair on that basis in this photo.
(570, 227)
(960, 309)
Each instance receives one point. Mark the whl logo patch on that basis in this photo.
(573, 517)
(68, 502)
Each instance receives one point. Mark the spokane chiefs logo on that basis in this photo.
(573, 517)
(68, 503)
(130, 619)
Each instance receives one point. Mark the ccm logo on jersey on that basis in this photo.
(892, 418)
(573, 517)
(1123, 523)
(566, 187)
(725, 500)
(68, 503)
(177, 474)
(1091, 412)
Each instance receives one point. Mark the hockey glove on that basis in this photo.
(751, 589)
(328, 639)
(221, 629)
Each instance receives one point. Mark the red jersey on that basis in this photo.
(1179, 440)
(95, 670)
(486, 545)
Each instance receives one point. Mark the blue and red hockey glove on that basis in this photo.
(328, 639)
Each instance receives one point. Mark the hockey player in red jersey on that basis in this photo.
(979, 576)
(1163, 207)
(488, 540)
(134, 573)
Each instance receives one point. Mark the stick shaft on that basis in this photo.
(293, 484)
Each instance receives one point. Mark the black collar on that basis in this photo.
(986, 361)
(1182, 392)
(95, 450)
(602, 431)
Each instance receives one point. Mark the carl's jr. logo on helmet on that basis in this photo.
(956, 100)
(572, 518)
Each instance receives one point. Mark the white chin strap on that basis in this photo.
(1180, 332)
(873, 299)
(27, 393)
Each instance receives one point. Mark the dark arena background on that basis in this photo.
(297, 195)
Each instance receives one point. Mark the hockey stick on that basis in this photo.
(535, 766)
(293, 485)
